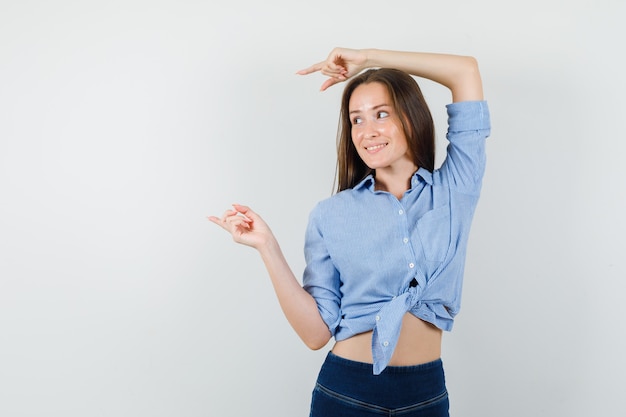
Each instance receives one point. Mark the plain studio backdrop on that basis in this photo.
(123, 124)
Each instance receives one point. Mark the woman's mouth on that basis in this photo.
(374, 148)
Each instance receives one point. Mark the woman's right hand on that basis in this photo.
(245, 226)
(300, 308)
(340, 65)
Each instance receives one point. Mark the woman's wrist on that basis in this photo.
(371, 58)
(268, 247)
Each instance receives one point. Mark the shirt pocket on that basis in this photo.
(433, 229)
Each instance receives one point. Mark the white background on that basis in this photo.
(124, 123)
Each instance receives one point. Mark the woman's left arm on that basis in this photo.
(458, 73)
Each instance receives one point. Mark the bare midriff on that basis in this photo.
(419, 342)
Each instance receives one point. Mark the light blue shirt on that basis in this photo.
(371, 258)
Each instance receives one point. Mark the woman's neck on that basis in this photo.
(394, 182)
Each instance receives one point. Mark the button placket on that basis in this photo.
(406, 241)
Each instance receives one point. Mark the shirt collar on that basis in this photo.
(427, 176)
(367, 182)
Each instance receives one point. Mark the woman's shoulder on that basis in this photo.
(336, 201)
(338, 207)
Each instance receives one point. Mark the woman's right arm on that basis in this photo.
(300, 308)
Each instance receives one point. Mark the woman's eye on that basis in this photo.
(356, 121)
(382, 114)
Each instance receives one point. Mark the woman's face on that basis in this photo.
(377, 132)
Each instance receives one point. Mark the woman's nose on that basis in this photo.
(370, 132)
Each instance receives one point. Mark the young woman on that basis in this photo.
(385, 254)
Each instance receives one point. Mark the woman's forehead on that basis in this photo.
(369, 96)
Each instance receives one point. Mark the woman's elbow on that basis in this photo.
(467, 84)
(471, 63)
(316, 342)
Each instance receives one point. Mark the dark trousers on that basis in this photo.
(347, 388)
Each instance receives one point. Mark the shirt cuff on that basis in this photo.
(468, 115)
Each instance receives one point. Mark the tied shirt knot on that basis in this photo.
(389, 323)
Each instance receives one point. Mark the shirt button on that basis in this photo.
(400, 212)
(385, 343)
(377, 318)
(405, 240)
(411, 265)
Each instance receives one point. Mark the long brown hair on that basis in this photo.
(417, 123)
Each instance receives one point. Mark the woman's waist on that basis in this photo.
(419, 342)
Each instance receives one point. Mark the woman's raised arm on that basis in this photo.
(459, 73)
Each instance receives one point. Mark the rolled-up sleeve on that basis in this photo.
(321, 278)
(468, 127)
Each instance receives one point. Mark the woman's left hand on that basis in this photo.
(340, 65)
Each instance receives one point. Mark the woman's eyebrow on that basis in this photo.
(373, 108)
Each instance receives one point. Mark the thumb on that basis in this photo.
(245, 210)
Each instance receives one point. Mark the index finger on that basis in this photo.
(313, 68)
